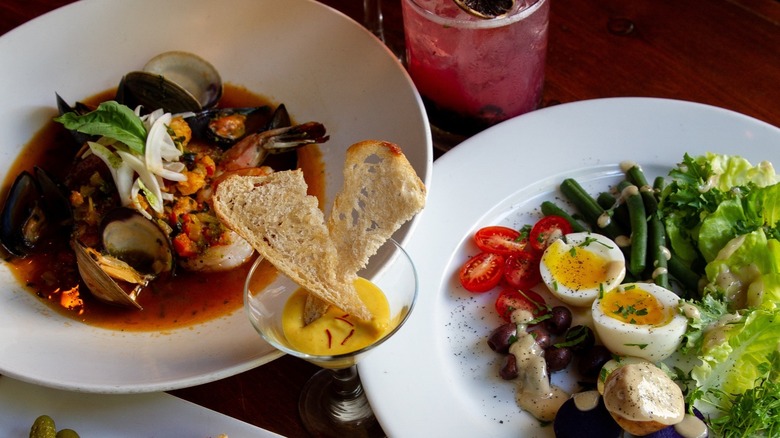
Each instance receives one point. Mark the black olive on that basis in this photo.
(579, 338)
(557, 358)
(501, 338)
(509, 370)
(559, 321)
(541, 336)
(590, 362)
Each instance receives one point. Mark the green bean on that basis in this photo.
(638, 218)
(589, 208)
(550, 209)
(685, 275)
(658, 253)
(636, 176)
(658, 184)
(618, 210)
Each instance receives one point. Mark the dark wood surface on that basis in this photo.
(719, 52)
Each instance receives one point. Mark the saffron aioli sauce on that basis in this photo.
(184, 300)
(336, 332)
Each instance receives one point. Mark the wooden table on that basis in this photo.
(719, 52)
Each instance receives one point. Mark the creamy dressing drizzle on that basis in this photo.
(642, 392)
(659, 271)
(586, 400)
(604, 220)
(691, 427)
(665, 252)
(623, 241)
(690, 311)
(626, 165)
(535, 394)
(629, 190)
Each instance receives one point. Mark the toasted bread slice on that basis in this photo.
(284, 224)
(381, 192)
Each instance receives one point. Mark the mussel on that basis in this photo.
(176, 81)
(134, 251)
(227, 126)
(79, 108)
(36, 206)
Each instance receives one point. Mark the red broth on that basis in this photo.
(183, 300)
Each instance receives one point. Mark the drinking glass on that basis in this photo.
(332, 402)
(474, 72)
(372, 18)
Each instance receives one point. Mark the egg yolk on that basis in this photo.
(634, 306)
(336, 332)
(576, 267)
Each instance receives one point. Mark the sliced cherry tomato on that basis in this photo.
(511, 299)
(482, 272)
(546, 230)
(521, 270)
(500, 240)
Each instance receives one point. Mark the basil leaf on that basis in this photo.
(111, 120)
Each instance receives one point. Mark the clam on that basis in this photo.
(175, 81)
(134, 251)
(36, 206)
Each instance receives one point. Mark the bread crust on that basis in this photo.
(381, 192)
(275, 215)
(284, 224)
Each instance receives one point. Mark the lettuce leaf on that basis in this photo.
(112, 120)
(736, 354)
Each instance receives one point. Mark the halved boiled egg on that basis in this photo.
(580, 266)
(639, 319)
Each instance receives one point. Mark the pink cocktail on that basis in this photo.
(474, 72)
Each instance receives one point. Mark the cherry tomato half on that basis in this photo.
(511, 299)
(546, 230)
(521, 270)
(482, 272)
(500, 240)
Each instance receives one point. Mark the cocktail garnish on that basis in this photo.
(486, 9)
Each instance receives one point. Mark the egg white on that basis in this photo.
(576, 244)
(652, 342)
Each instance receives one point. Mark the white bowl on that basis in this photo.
(322, 65)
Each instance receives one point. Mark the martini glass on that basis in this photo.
(332, 403)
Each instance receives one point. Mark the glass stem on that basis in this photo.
(349, 401)
(372, 18)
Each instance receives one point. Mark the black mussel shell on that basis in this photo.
(80, 109)
(280, 119)
(36, 206)
(201, 123)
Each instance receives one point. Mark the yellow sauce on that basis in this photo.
(634, 306)
(336, 332)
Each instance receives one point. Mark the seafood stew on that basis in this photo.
(188, 295)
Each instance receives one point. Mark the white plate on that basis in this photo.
(321, 64)
(437, 377)
(113, 415)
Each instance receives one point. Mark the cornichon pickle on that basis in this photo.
(67, 433)
(43, 427)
